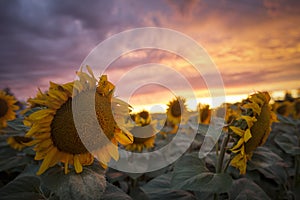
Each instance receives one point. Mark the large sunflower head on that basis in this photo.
(176, 109)
(55, 136)
(252, 128)
(204, 114)
(7, 108)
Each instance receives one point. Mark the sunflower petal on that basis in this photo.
(77, 164)
(47, 160)
(237, 131)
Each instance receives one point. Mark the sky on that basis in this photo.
(254, 44)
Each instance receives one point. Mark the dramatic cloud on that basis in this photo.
(255, 44)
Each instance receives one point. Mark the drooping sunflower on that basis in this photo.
(204, 114)
(142, 120)
(251, 129)
(7, 108)
(17, 142)
(53, 129)
(176, 109)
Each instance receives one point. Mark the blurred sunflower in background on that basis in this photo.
(251, 129)
(17, 142)
(176, 109)
(296, 106)
(8, 108)
(284, 108)
(142, 118)
(204, 114)
(53, 130)
(144, 128)
(229, 111)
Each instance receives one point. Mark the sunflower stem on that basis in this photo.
(227, 164)
(222, 153)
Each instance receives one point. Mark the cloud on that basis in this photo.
(252, 42)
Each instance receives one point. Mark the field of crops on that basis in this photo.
(256, 154)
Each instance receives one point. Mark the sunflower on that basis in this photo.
(204, 114)
(140, 143)
(55, 136)
(17, 142)
(142, 120)
(176, 109)
(284, 108)
(7, 108)
(251, 129)
(296, 113)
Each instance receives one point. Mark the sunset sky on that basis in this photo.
(255, 44)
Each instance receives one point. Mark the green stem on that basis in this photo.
(297, 166)
(222, 153)
(227, 164)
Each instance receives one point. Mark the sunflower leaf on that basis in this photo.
(86, 185)
(14, 162)
(160, 188)
(288, 143)
(262, 158)
(190, 173)
(114, 193)
(25, 187)
(246, 189)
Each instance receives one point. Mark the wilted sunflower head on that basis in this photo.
(252, 128)
(142, 118)
(7, 108)
(204, 114)
(56, 138)
(176, 109)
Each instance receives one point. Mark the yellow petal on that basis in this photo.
(247, 135)
(236, 148)
(47, 160)
(249, 120)
(77, 164)
(66, 166)
(41, 114)
(124, 137)
(237, 130)
(254, 106)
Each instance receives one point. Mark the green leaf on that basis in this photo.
(23, 196)
(207, 182)
(286, 120)
(269, 164)
(288, 143)
(114, 193)
(160, 188)
(190, 173)
(14, 162)
(25, 187)
(246, 189)
(86, 185)
(263, 157)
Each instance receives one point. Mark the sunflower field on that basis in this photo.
(42, 155)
